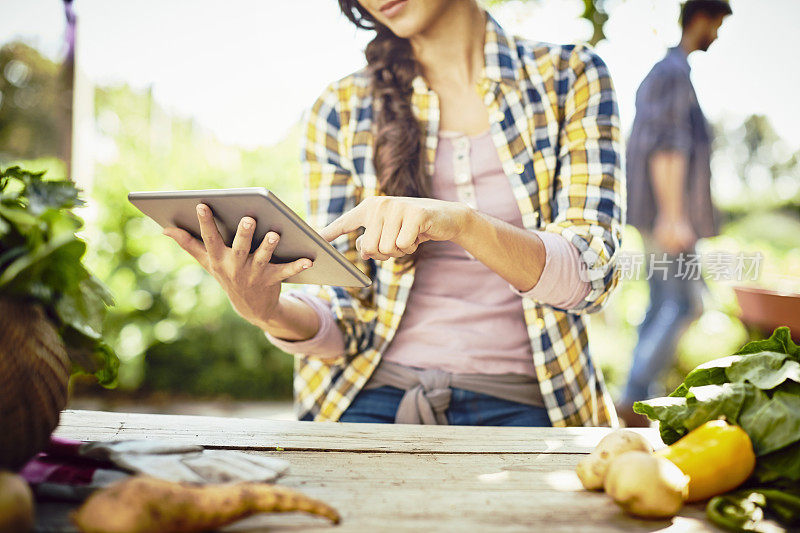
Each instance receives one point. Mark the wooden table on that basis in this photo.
(407, 477)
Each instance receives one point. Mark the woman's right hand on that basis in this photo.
(252, 283)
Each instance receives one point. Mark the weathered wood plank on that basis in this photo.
(404, 477)
(449, 492)
(262, 434)
(452, 492)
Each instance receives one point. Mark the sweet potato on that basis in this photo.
(149, 505)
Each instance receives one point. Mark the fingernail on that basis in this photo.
(272, 239)
(306, 265)
(247, 223)
(201, 210)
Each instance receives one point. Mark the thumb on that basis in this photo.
(295, 267)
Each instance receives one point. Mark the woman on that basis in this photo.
(485, 171)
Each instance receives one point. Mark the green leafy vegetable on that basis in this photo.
(680, 415)
(780, 341)
(765, 370)
(757, 388)
(783, 464)
(40, 260)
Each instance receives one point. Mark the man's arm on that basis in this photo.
(668, 172)
(672, 230)
(670, 96)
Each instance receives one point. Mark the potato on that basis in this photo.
(592, 469)
(16, 504)
(646, 485)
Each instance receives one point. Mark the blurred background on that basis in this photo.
(196, 94)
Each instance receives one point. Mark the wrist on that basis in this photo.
(292, 319)
(467, 220)
(275, 318)
(670, 218)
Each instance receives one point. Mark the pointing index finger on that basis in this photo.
(346, 223)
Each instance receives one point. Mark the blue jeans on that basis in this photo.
(467, 408)
(674, 303)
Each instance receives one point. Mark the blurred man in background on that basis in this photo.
(669, 198)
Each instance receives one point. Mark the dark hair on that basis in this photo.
(711, 8)
(399, 156)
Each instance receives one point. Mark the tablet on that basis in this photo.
(298, 239)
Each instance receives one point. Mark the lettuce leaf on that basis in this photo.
(779, 465)
(670, 412)
(765, 370)
(772, 423)
(780, 341)
(710, 373)
(678, 416)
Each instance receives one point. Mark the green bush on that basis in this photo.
(173, 326)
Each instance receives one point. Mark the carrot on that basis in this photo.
(146, 504)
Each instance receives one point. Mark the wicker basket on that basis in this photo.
(34, 372)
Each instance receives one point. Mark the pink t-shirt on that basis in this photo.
(461, 316)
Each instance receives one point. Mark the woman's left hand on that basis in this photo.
(396, 225)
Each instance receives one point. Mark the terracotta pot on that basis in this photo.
(767, 310)
(34, 372)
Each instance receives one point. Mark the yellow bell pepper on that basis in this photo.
(716, 456)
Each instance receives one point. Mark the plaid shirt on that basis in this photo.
(554, 121)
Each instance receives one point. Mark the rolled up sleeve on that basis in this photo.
(328, 341)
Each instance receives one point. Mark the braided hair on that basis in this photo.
(399, 156)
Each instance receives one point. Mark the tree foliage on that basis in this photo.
(29, 103)
(594, 11)
(173, 325)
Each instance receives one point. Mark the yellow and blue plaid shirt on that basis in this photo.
(555, 123)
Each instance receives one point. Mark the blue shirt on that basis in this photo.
(669, 118)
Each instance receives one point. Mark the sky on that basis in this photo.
(247, 69)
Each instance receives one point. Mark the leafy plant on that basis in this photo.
(41, 261)
(757, 388)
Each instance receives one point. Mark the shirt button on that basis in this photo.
(519, 168)
(498, 116)
(488, 98)
(462, 177)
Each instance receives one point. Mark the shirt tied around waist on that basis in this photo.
(428, 391)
